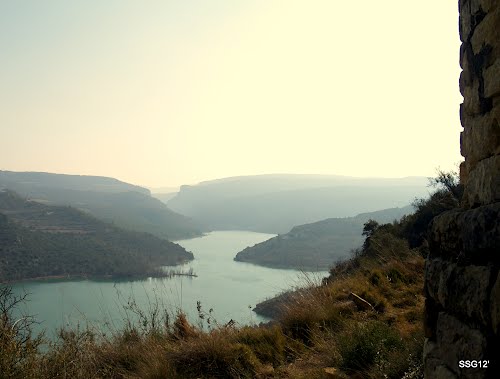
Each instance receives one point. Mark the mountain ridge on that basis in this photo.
(276, 206)
(128, 206)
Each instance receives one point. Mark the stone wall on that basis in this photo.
(462, 320)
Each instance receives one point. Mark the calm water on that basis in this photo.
(230, 288)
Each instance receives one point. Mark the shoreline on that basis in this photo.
(70, 277)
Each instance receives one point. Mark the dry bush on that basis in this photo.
(212, 355)
(18, 346)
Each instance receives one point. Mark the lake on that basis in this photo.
(230, 288)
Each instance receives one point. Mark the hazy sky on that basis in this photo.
(163, 93)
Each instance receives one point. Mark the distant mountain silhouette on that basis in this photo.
(126, 205)
(164, 197)
(275, 203)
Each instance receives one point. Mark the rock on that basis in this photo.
(456, 341)
(492, 80)
(465, 291)
(472, 100)
(433, 270)
(442, 372)
(481, 137)
(471, 236)
(361, 303)
(495, 306)
(462, 290)
(487, 32)
(483, 184)
(334, 373)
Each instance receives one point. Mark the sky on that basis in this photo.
(164, 93)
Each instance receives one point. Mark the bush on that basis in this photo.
(367, 344)
(268, 344)
(18, 347)
(213, 356)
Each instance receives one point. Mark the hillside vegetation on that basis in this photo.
(315, 246)
(38, 240)
(364, 321)
(276, 203)
(110, 200)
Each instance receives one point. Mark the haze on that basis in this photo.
(163, 93)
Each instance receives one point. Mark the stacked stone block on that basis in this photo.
(462, 319)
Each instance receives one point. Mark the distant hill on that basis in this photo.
(28, 180)
(319, 245)
(164, 197)
(125, 205)
(275, 203)
(38, 240)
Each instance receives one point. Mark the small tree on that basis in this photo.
(448, 195)
(450, 183)
(369, 228)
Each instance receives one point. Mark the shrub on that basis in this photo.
(367, 344)
(212, 355)
(268, 344)
(18, 347)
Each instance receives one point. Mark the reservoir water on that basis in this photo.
(230, 288)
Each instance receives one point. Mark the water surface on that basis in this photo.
(230, 288)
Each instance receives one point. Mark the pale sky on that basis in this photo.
(163, 93)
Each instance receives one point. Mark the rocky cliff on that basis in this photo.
(462, 273)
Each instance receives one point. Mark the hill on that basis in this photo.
(318, 245)
(164, 197)
(364, 321)
(275, 203)
(38, 240)
(29, 180)
(125, 205)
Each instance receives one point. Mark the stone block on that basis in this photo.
(460, 290)
(464, 291)
(482, 5)
(433, 270)
(464, 172)
(472, 101)
(457, 341)
(495, 306)
(469, 10)
(483, 183)
(442, 372)
(465, 22)
(481, 137)
(431, 312)
(444, 235)
(433, 366)
(491, 76)
(487, 32)
(467, 237)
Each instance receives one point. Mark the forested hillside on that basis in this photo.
(316, 246)
(38, 240)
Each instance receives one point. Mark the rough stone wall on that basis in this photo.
(462, 320)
